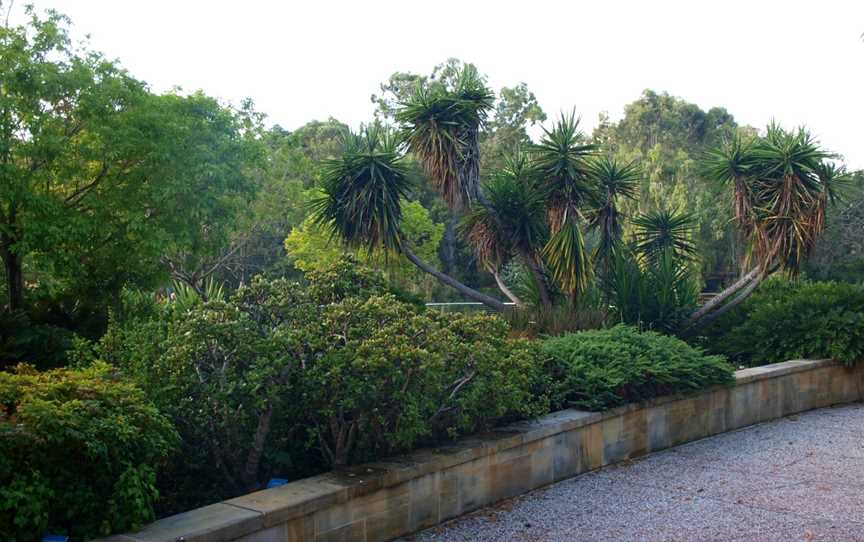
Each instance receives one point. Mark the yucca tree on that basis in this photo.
(562, 160)
(362, 206)
(614, 180)
(511, 222)
(782, 185)
(442, 128)
(665, 231)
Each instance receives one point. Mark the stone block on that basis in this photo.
(214, 523)
(293, 500)
(425, 501)
(509, 478)
(624, 436)
(353, 532)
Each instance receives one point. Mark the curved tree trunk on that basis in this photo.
(722, 296)
(468, 292)
(742, 295)
(533, 264)
(505, 290)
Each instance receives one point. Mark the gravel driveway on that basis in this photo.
(798, 478)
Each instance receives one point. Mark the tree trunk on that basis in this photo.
(468, 292)
(14, 275)
(742, 295)
(448, 246)
(534, 267)
(505, 290)
(721, 297)
(253, 460)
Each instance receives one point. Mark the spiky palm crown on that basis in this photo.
(665, 231)
(513, 217)
(363, 189)
(614, 180)
(562, 160)
(442, 128)
(783, 184)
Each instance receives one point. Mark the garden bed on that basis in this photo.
(400, 495)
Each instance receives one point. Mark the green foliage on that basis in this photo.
(339, 365)
(22, 340)
(394, 377)
(364, 188)
(667, 136)
(601, 369)
(100, 178)
(311, 247)
(793, 320)
(81, 449)
(656, 294)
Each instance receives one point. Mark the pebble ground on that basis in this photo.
(797, 478)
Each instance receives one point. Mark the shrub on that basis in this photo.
(657, 293)
(386, 377)
(791, 320)
(340, 366)
(80, 449)
(604, 368)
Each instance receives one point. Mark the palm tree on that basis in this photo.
(614, 181)
(442, 128)
(662, 231)
(782, 184)
(562, 160)
(364, 188)
(510, 222)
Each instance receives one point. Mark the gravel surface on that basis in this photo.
(797, 478)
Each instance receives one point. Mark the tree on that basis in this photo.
(364, 190)
(782, 185)
(311, 247)
(667, 137)
(99, 177)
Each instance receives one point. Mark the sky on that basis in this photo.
(799, 62)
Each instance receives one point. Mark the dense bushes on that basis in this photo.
(610, 367)
(285, 379)
(80, 450)
(789, 320)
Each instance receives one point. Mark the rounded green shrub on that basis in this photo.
(80, 450)
(605, 368)
(787, 320)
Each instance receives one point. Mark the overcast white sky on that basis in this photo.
(801, 62)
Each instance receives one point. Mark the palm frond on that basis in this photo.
(614, 180)
(567, 258)
(665, 230)
(562, 160)
(442, 128)
(363, 190)
(512, 217)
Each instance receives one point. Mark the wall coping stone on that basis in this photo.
(234, 518)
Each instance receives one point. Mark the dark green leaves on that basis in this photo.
(442, 128)
(364, 187)
(664, 230)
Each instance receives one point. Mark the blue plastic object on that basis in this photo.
(276, 482)
(55, 538)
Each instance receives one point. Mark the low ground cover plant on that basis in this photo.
(791, 320)
(604, 368)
